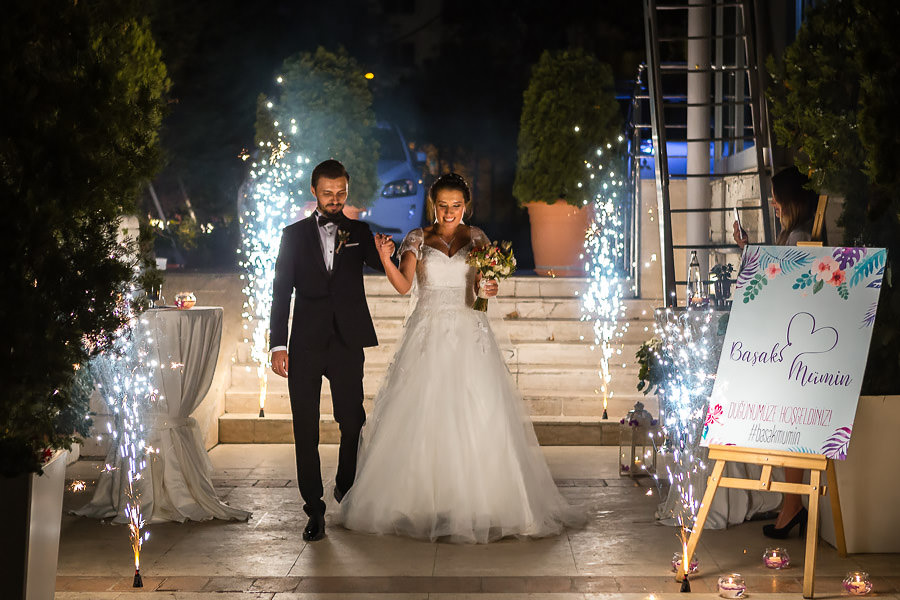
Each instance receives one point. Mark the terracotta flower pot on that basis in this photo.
(557, 238)
(352, 212)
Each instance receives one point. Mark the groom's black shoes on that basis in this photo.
(315, 528)
(338, 494)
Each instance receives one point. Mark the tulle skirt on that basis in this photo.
(449, 451)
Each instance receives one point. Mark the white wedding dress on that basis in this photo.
(449, 451)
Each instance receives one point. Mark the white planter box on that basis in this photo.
(868, 484)
(32, 513)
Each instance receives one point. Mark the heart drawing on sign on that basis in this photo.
(805, 338)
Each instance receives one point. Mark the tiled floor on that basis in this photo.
(622, 553)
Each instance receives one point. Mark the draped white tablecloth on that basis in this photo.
(176, 485)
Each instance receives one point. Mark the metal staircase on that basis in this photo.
(702, 96)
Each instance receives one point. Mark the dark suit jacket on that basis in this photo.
(323, 301)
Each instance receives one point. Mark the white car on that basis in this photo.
(399, 203)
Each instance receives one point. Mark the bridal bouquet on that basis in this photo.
(491, 261)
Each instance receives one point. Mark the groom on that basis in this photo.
(321, 258)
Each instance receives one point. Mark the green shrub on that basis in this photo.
(834, 105)
(327, 94)
(83, 91)
(567, 89)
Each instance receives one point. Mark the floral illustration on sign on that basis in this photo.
(876, 283)
(842, 270)
(802, 450)
(847, 257)
(869, 319)
(836, 446)
(749, 266)
(788, 259)
(867, 267)
(833, 270)
(713, 415)
(772, 264)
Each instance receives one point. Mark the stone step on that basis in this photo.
(537, 406)
(531, 286)
(532, 379)
(275, 428)
(562, 354)
(545, 307)
(389, 329)
(526, 353)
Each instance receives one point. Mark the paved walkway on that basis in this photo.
(622, 553)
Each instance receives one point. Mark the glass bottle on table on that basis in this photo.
(697, 296)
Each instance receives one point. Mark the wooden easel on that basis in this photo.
(816, 463)
(818, 223)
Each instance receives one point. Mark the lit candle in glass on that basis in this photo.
(732, 586)
(858, 583)
(676, 563)
(776, 558)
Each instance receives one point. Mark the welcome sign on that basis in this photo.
(795, 350)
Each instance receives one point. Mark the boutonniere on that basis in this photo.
(343, 236)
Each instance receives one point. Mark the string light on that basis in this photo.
(272, 202)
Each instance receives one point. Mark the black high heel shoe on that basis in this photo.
(780, 533)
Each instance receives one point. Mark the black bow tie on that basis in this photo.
(326, 219)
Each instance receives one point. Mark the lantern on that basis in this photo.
(637, 453)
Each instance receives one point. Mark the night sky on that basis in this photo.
(463, 96)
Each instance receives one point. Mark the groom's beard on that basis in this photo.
(329, 209)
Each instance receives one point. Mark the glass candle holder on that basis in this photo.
(185, 300)
(676, 562)
(776, 558)
(857, 583)
(732, 586)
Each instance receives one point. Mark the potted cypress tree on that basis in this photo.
(569, 110)
(324, 110)
(84, 91)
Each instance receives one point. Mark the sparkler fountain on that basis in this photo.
(687, 358)
(271, 203)
(604, 249)
(125, 379)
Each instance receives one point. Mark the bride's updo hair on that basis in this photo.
(449, 181)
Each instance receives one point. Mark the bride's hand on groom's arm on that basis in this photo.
(385, 246)
(280, 362)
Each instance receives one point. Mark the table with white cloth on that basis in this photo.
(729, 506)
(176, 484)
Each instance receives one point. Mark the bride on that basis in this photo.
(449, 451)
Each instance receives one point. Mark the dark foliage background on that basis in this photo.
(834, 105)
(68, 171)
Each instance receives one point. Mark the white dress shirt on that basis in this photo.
(327, 234)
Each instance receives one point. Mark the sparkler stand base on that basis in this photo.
(605, 415)
(685, 585)
(262, 413)
(767, 459)
(138, 582)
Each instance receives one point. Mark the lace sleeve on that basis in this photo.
(478, 236)
(413, 243)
